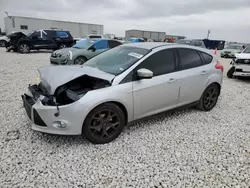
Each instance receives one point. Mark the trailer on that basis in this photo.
(147, 35)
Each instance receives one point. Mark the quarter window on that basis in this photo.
(189, 59)
(207, 58)
(160, 63)
(113, 44)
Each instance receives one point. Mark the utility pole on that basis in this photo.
(208, 32)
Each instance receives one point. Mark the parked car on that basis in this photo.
(135, 40)
(41, 39)
(230, 50)
(90, 37)
(192, 42)
(126, 83)
(82, 51)
(240, 65)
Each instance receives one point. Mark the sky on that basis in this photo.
(226, 19)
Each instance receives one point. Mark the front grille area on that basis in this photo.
(37, 119)
(243, 61)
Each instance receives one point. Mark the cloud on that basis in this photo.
(227, 19)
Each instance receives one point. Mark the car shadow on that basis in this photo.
(243, 79)
(34, 52)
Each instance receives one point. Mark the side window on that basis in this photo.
(207, 58)
(189, 58)
(160, 63)
(102, 44)
(36, 34)
(61, 34)
(113, 43)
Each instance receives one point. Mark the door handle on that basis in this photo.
(171, 80)
(203, 72)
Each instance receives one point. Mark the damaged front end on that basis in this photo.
(70, 85)
(68, 92)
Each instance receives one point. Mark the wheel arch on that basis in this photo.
(119, 104)
(80, 55)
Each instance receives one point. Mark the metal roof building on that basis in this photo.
(28, 24)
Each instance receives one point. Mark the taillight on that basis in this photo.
(219, 66)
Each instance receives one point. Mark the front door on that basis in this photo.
(160, 93)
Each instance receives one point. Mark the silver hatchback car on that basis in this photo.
(124, 84)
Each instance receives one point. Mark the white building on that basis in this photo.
(28, 24)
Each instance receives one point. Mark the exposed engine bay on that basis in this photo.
(69, 92)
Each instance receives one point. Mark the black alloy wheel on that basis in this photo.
(80, 60)
(104, 124)
(209, 98)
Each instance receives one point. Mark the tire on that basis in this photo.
(209, 98)
(80, 60)
(24, 48)
(3, 43)
(99, 128)
(230, 72)
(61, 46)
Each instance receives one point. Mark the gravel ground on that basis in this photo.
(186, 148)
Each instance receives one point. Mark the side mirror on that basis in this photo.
(92, 48)
(144, 74)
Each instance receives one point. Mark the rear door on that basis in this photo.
(159, 93)
(193, 75)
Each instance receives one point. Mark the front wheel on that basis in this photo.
(230, 72)
(104, 124)
(24, 48)
(209, 98)
(80, 60)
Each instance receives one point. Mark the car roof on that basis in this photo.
(153, 45)
(148, 45)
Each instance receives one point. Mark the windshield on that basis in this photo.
(234, 47)
(117, 60)
(83, 44)
(247, 49)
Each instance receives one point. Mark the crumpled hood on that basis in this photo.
(54, 76)
(242, 56)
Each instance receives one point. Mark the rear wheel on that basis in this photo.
(209, 98)
(104, 124)
(230, 72)
(80, 60)
(24, 48)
